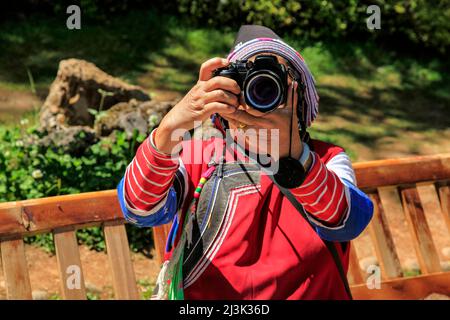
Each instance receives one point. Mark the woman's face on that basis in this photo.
(259, 140)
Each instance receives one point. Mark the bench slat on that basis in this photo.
(354, 271)
(410, 288)
(373, 174)
(160, 234)
(383, 241)
(34, 216)
(391, 202)
(118, 251)
(423, 242)
(69, 265)
(15, 270)
(444, 195)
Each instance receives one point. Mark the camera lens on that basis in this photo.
(263, 92)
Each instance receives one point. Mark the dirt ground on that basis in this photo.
(13, 104)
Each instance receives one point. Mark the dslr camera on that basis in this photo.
(263, 81)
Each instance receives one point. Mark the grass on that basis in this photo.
(373, 101)
(146, 288)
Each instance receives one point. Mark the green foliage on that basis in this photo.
(32, 171)
(40, 42)
(92, 296)
(55, 296)
(411, 273)
(28, 170)
(413, 22)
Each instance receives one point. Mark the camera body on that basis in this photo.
(263, 81)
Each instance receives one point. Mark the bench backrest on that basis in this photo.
(412, 185)
(416, 190)
(62, 215)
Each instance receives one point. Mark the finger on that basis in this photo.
(223, 83)
(207, 67)
(247, 118)
(219, 107)
(221, 96)
(253, 111)
(291, 92)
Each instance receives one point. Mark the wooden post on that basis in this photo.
(423, 242)
(15, 270)
(69, 264)
(354, 271)
(444, 195)
(383, 242)
(118, 251)
(160, 234)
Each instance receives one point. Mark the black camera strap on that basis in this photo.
(330, 245)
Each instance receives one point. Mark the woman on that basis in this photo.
(235, 232)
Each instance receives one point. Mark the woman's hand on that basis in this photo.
(210, 95)
(247, 118)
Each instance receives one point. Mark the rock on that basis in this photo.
(446, 252)
(156, 110)
(39, 295)
(437, 296)
(365, 263)
(79, 86)
(128, 116)
(73, 140)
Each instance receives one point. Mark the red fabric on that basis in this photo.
(269, 251)
(149, 177)
(322, 193)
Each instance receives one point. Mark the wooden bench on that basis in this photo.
(411, 188)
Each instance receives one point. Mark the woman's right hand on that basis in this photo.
(210, 95)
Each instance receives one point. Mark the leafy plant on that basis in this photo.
(29, 170)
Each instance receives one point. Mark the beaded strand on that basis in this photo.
(198, 190)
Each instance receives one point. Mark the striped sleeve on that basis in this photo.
(149, 176)
(153, 187)
(322, 194)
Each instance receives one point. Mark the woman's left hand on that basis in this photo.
(246, 118)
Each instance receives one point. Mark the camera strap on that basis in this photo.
(330, 245)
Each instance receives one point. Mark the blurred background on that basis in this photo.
(383, 93)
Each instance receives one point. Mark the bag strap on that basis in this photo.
(330, 245)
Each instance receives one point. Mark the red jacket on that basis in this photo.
(259, 246)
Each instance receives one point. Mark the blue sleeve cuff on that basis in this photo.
(358, 217)
(161, 216)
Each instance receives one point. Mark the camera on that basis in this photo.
(263, 81)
